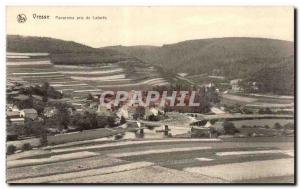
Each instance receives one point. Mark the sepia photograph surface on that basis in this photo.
(150, 95)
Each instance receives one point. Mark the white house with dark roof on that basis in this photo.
(29, 113)
(17, 121)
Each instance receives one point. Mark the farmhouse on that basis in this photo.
(123, 112)
(235, 85)
(201, 132)
(29, 113)
(151, 111)
(12, 114)
(12, 107)
(17, 121)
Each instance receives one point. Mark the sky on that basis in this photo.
(130, 26)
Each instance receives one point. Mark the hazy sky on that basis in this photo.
(153, 25)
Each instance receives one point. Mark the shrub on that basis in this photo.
(214, 132)
(90, 97)
(150, 127)
(267, 126)
(123, 120)
(43, 140)
(11, 149)
(229, 128)
(119, 136)
(26, 146)
(289, 126)
(265, 111)
(153, 118)
(278, 126)
(247, 111)
(249, 134)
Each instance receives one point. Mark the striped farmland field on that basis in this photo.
(79, 80)
(174, 160)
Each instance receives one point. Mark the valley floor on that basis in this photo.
(158, 161)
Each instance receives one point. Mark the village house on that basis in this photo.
(151, 111)
(201, 132)
(235, 85)
(17, 121)
(9, 107)
(123, 112)
(12, 107)
(255, 85)
(12, 114)
(29, 113)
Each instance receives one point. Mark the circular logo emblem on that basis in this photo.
(21, 18)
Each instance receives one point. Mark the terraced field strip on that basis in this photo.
(87, 90)
(239, 98)
(258, 122)
(104, 78)
(43, 76)
(244, 116)
(248, 170)
(32, 63)
(35, 73)
(74, 67)
(77, 86)
(116, 81)
(51, 159)
(273, 96)
(118, 70)
(136, 148)
(82, 143)
(270, 105)
(76, 165)
(63, 82)
(249, 152)
(128, 143)
(18, 56)
(179, 160)
(152, 174)
(160, 151)
(86, 173)
(70, 85)
(271, 180)
(157, 81)
(26, 54)
(27, 67)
